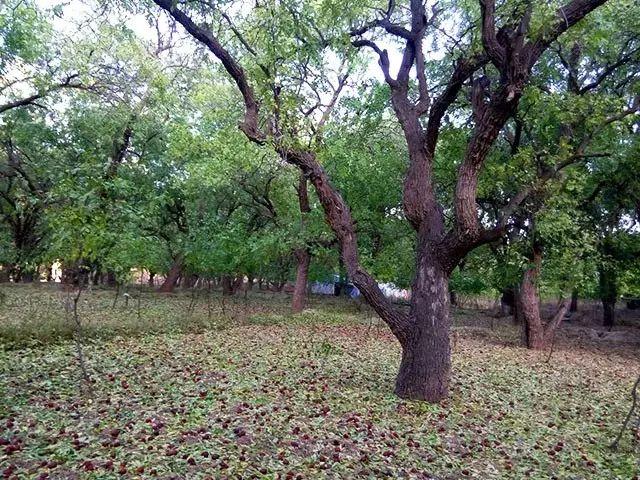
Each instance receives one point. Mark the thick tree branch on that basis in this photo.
(495, 51)
(462, 71)
(250, 124)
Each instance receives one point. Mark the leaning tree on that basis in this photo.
(493, 57)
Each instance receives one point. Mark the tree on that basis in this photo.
(611, 204)
(570, 118)
(512, 51)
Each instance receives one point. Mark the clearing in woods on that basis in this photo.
(186, 387)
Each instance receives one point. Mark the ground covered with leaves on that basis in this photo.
(273, 396)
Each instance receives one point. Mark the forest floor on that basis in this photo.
(184, 386)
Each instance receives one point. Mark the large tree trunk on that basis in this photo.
(608, 295)
(426, 357)
(300, 291)
(172, 277)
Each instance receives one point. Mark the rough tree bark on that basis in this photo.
(424, 332)
(529, 304)
(173, 275)
(303, 257)
(302, 254)
(536, 334)
(426, 357)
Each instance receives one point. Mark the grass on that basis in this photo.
(256, 393)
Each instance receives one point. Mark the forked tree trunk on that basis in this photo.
(172, 277)
(426, 361)
(536, 334)
(302, 274)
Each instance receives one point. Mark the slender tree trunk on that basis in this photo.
(426, 356)
(529, 304)
(302, 254)
(227, 285)
(609, 312)
(608, 295)
(150, 281)
(300, 291)
(172, 277)
(574, 301)
(536, 333)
